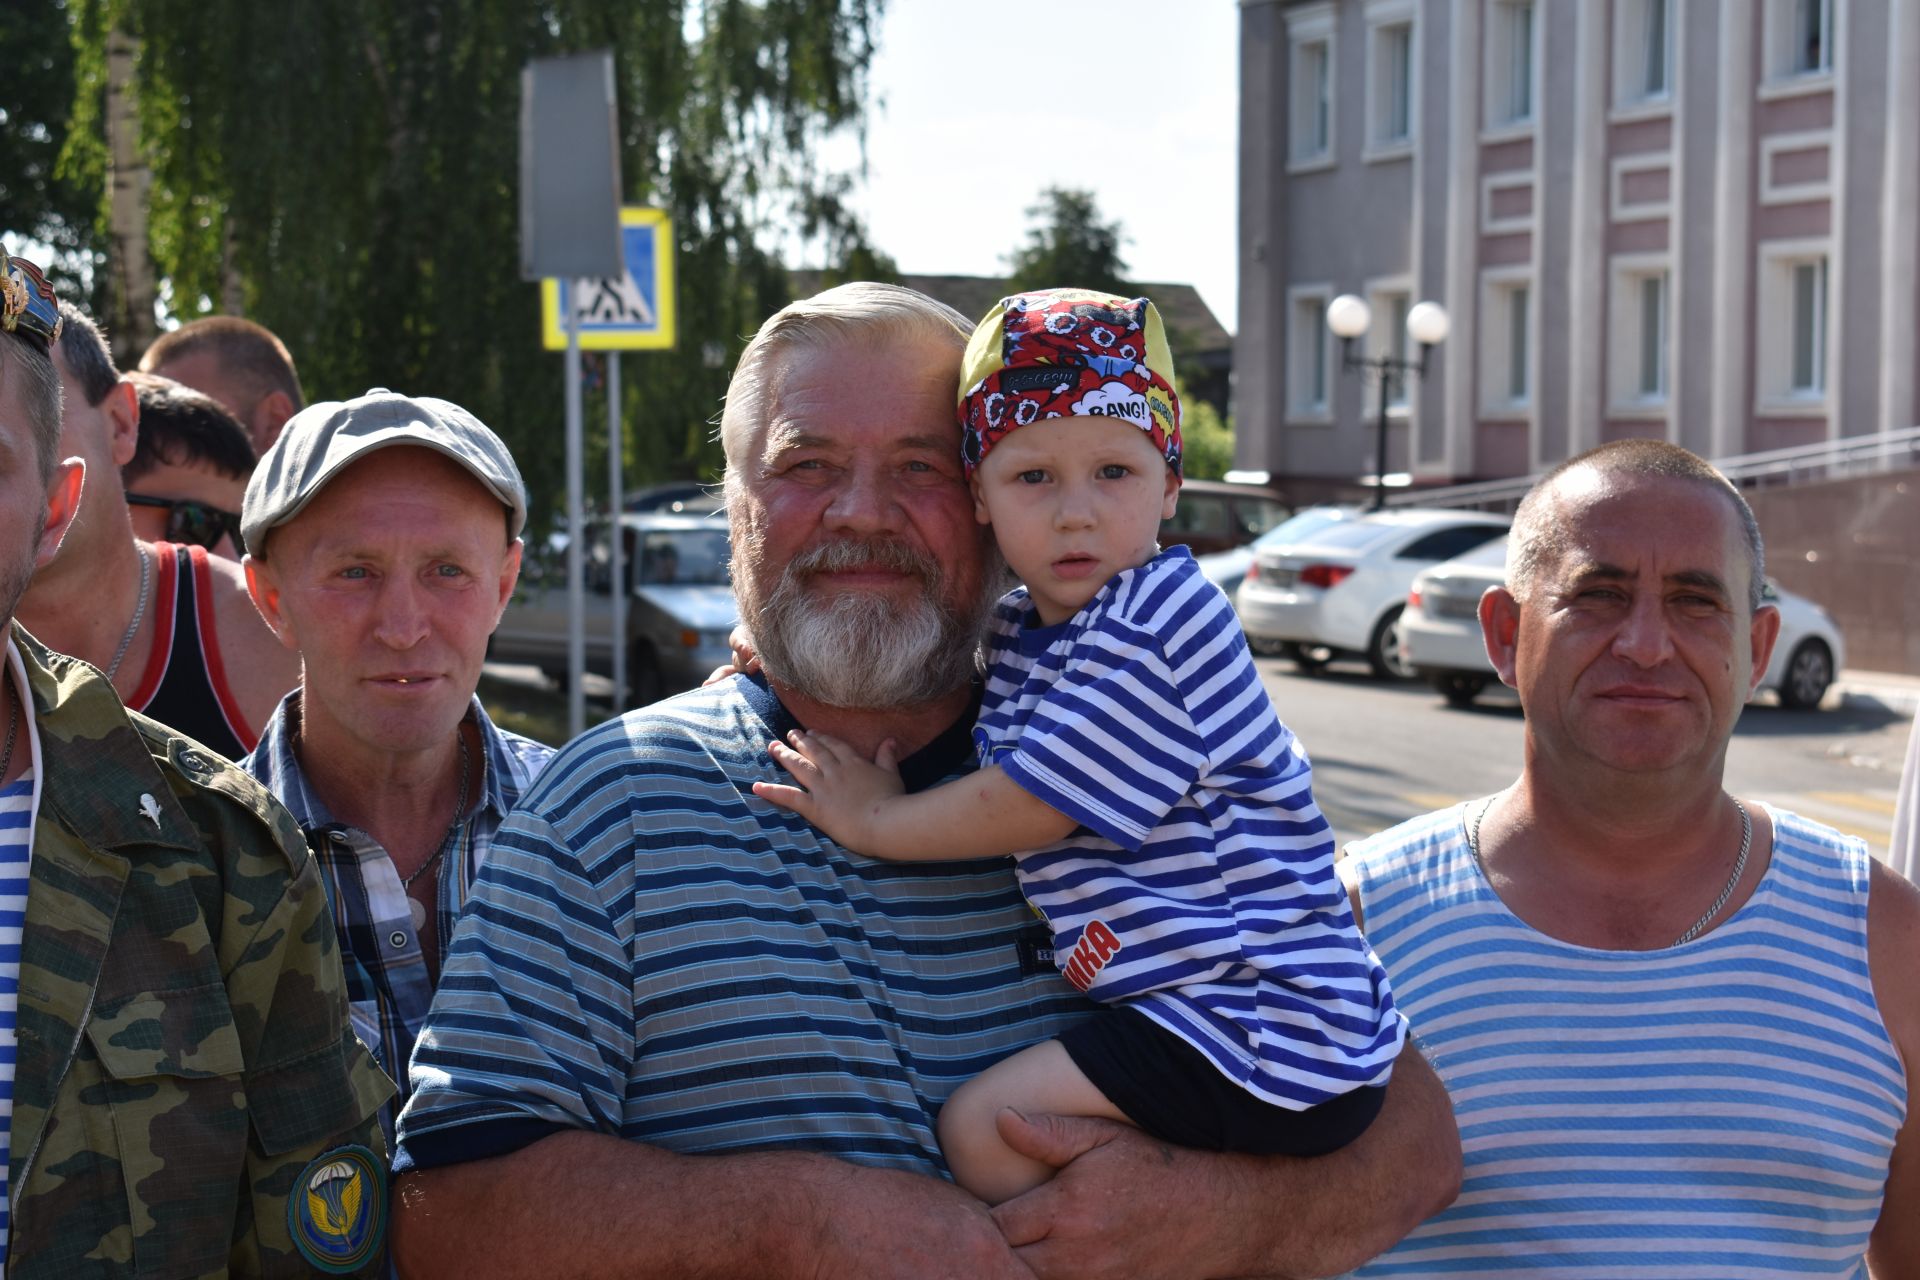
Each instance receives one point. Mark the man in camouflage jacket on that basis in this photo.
(188, 1097)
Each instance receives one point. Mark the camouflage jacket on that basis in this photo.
(188, 1093)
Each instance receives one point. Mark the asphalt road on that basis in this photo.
(1383, 753)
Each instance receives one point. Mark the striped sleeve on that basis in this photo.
(1142, 704)
(532, 1026)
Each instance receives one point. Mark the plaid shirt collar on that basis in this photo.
(388, 987)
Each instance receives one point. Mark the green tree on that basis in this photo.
(1069, 245)
(1206, 439)
(347, 171)
(39, 201)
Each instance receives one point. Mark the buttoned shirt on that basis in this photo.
(388, 985)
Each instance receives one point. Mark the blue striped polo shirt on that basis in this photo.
(651, 951)
(1726, 1107)
(1200, 888)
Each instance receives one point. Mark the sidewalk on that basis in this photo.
(1894, 692)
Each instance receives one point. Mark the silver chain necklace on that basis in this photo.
(1693, 931)
(415, 907)
(139, 612)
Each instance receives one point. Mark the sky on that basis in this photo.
(977, 107)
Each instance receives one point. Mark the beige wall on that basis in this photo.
(1849, 545)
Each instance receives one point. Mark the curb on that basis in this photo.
(1897, 698)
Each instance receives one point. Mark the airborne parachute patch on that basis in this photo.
(337, 1210)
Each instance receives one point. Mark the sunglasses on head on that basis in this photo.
(194, 522)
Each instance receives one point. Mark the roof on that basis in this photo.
(1196, 330)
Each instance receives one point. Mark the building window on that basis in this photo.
(1643, 51)
(1387, 336)
(1510, 64)
(1642, 298)
(1808, 376)
(1800, 35)
(1309, 354)
(1506, 374)
(1793, 311)
(1310, 97)
(1651, 355)
(1390, 83)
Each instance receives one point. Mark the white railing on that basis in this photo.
(1826, 460)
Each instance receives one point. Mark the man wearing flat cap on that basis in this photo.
(383, 538)
(184, 1094)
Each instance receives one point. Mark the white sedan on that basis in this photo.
(1342, 587)
(1440, 638)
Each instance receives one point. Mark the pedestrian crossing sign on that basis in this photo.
(632, 313)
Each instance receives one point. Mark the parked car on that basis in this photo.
(1440, 637)
(676, 497)
(680, 606)
(1342, 588)
(1214, 516)
(1810, 653)
(1226, 569)
(1440, 634)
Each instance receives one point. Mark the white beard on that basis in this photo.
(859, 650)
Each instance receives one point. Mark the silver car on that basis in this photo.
(680, 606)
(1440, 637)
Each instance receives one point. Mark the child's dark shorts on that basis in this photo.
(1174, 1092)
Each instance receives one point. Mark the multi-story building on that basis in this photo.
(1694, 219)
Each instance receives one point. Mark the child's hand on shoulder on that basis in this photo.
(839, 791)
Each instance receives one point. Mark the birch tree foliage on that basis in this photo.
(347, 171)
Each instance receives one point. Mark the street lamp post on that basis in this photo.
(1348, 317)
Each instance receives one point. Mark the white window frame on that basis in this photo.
(1641, 162)
(1497, 285)
(1387, 336)
(1384, 16)
(1306, 340)
(1631, 20)
(1506, 180)
(1498, 120)
(1776, 335)
(1773, 144)
(1779, 24)
(1306, 28)
(1626, 334)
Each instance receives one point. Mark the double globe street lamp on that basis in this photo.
(1348, 317)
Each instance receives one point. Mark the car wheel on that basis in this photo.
(645, 685)
(1459, 688)
(1310, 658)
(1383, 650)
(1809, 672)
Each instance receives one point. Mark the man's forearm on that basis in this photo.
(588, 1205)
(1330, 1214)
(1216, 1214)
(585, 1204)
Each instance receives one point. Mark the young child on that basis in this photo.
(1162, 816)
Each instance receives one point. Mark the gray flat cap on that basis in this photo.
(322, 438)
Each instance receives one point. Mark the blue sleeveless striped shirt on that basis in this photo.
(16, 847)
(1727, 1107)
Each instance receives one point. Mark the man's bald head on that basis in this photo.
(237, 362)
(1538, 538)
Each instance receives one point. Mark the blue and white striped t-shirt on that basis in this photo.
(1723, 1108)
(16, 847)
(1201, 891)
(652, 951)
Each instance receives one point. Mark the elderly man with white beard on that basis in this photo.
(682, 1033)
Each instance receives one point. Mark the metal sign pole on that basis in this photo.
(576, 530)
(617, 535)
